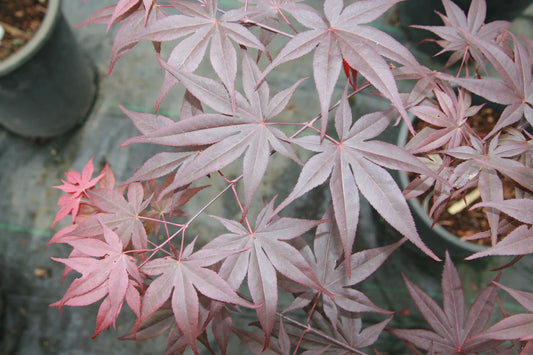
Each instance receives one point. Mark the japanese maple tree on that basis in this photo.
(132, 241)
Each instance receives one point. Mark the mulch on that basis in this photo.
(20, 19)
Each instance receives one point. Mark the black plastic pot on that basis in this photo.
(48, 86)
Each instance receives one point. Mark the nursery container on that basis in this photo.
(48, 86)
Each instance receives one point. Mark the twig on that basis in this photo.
(460, 205)
(14, 31)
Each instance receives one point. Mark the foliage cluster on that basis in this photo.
(231, 115)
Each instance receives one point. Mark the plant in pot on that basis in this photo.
(233, 116)
(484, 156)
(47, 85)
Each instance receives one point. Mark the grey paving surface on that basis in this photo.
(30, 281)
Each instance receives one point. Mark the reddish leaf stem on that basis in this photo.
(195, 216)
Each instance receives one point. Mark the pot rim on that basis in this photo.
(44, 32)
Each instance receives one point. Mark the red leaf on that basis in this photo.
(228, 137)
(356, 161)
(181, 280)
(119, 214)
(351, 74)
(267, 251)
(451, 332)
(513, 327)
(105, 270)
(76, 186)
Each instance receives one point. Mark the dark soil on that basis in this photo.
(466, 223)
(20, 20)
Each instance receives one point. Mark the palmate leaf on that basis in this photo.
(157, 324)
(113, 14)
(345, 336)
(456, 24)
(452, 331)
(346, 39)
(200, 24)
(76, 186)
(450, 119)
(517, 326)
(163, 320)
(106, 272)
(266, 251)
(180, 279)
(515, 90)
(254, 342)
(352, 333)
(162, 164)
(130, 30)
(518, 242)
(482, 163)
(519, 208)
(133, 19)
(118, 213)
(355, 164)
(327, 252)
(248, 133)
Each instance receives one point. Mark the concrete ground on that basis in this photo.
(30, 281)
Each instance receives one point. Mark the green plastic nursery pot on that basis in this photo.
(48, 86)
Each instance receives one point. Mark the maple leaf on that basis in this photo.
(319, 336)
(117, 13)
(76, 186)
(326, 254)
(355, 165)
(165, 205)
(123, 216)
(122, 8)
(267, 14)
(133, 19)
(482, 163)
(452, 331)
(162, 164)
(517, 326)
(180, 278)
(456, 24)
(161, 321)
(202, 26)
(277, 6)
(164, 320)
(518, 242)
(441, 189)
(346, 39)
(267, 250)
(133, 27)
(518, 208)
(515, 88)
(450, 120)
(349, 333)
(248, 133)
(106, 272)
